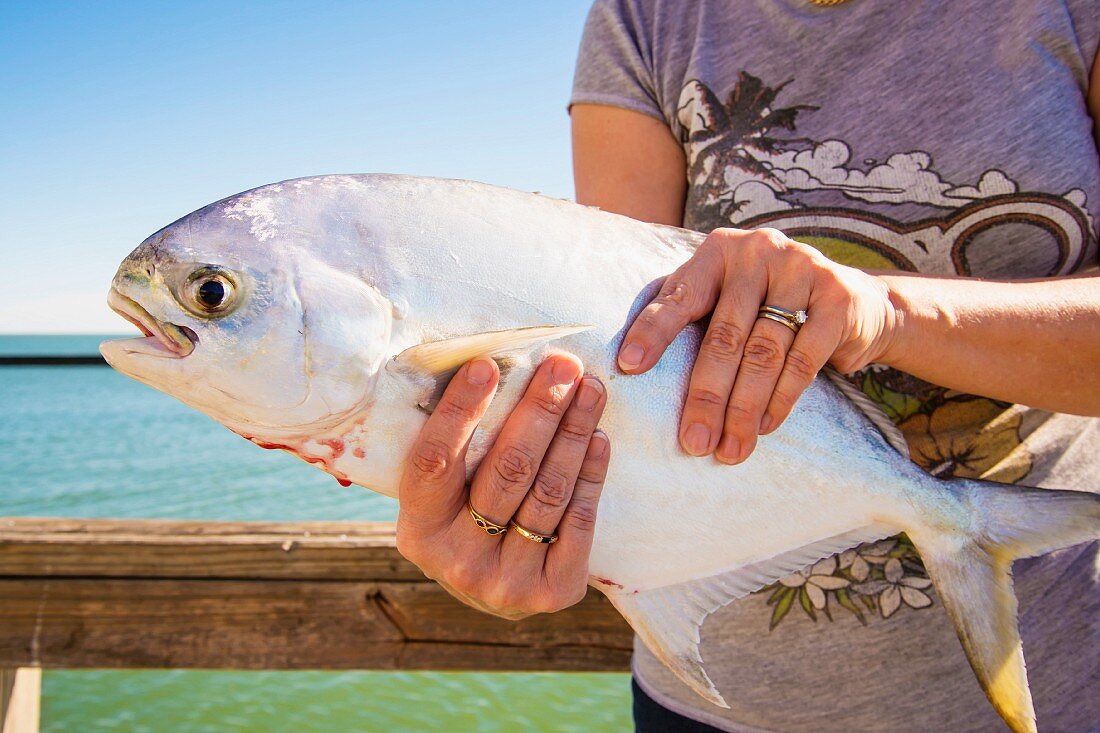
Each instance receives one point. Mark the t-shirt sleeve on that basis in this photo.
(615, 63)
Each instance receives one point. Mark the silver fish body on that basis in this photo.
(353, 297)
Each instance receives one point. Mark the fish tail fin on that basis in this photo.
(972, 571)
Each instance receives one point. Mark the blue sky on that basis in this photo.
(118, 118)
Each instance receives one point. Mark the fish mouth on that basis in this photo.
(161, 338)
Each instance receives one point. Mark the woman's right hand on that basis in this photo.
(545, 472)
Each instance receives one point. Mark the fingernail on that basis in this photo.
(589, 394)
(598, 445)
(564, 371)
(729, 450)
(479, 372)
(766, 424)
(697, 439)
(631, 356)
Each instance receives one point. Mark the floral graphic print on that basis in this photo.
(875, 578)
(945, 443)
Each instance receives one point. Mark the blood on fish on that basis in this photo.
(336, 444)
(359, 453)
(265, 445)
(607, 581)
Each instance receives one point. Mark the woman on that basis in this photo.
(897, 138)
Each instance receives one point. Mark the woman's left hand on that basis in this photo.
(751, 370)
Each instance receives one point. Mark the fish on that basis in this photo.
(323, 316)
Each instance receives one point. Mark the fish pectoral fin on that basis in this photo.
(443, 357)
(435, 362)
(972, 572)
(668, 619)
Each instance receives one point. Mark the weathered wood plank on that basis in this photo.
(289, 625)
(20, 700)
(150, 594)
(425, 612)
(110, 548)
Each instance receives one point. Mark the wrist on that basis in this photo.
(897, 321)
(911, 310)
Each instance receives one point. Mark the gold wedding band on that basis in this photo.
(791, 319)
(491, 528)
(778, 319)
(542, 539)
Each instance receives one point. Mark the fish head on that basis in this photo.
(256, 331)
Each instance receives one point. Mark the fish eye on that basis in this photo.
(209, 291)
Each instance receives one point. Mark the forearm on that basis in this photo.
(1034, 342)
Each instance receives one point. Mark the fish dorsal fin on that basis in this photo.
(668, 619)
(432, 364)
(678, 237)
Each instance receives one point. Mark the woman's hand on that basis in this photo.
(751, 370)
(545, 472)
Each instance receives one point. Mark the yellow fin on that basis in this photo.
(976, 590)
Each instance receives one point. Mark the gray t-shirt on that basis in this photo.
(948, 138)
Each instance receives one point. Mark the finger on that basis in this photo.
(761, 364)
(567, 560)
(715, 370)
(508, 470)
(432, 489)
(815, 343)
(542, 509)
(687, 294)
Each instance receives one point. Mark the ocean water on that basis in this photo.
(88, 442)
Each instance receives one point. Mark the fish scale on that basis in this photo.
(345, 303)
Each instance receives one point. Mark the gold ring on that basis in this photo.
(542, 539)
(491, 528)
(778, 319)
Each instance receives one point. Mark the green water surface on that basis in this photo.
(188, 702)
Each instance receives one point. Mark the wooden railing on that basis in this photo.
(234, 595)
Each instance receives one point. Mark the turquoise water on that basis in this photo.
(88, 442)
(41, 345)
